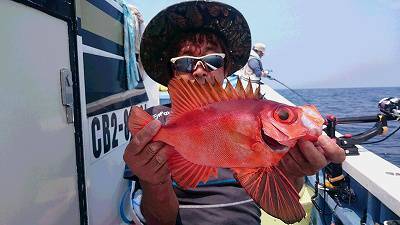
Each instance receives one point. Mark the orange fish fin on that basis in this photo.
(185, 96)
(221, 91)
(188, 174)
(249, 91)
(240, 90)
(257, 93)
(272, 191)
(202, 93)
(230, 91)
(182, 97)
(210, 90)
(138, 118)
(188, 95)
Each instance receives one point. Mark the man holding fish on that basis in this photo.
(227, 151)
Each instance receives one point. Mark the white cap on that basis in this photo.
(259, 47)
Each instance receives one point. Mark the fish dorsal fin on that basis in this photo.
(189, 95)
(183, 98)
(221, 92)
(257, 93)
(240, 90)
(211, 90)
(230, 91)
(249, 90)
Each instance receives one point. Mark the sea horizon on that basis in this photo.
(352, 102)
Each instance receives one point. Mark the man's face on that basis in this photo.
(260, 53)
(200, 73)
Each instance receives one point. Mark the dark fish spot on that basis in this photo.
(283, 114)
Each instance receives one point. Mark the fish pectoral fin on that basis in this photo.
(138, 118)
(188, 174)
(272, 191)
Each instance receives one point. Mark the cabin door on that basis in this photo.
(38, 167)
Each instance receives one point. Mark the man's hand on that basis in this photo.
(147, 159)
(265, 73)
(308, 158)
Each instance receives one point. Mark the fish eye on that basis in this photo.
(284, 115)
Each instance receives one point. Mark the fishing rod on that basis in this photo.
(389, 110)
(338, 185)
(276, 80)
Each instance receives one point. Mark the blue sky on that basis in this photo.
(316, 44)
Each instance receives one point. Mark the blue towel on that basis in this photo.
(132, 74)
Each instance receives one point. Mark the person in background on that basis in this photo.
(198, 40)
(253, 70)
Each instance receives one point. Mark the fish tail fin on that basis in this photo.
(138, 118)
(188, 174)
(272, 191)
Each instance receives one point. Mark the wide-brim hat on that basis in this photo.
(221, 19)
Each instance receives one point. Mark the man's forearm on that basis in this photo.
(159, 204)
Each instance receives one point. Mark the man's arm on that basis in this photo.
(308, 158)
(256, 66)
(159, 203)
(147, 160)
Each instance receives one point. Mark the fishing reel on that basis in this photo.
(390, 106)
(390, 110)
(337, 184)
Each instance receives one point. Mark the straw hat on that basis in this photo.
(221, 19)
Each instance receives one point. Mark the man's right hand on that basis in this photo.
(265, 73)
(147, 159)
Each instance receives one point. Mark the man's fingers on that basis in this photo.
(148, 152)
(158, 167)
(144, 136)
(312, 154)
(157, 162)
(163, 174)
(303, 163)
(153, 148)
(331, 150)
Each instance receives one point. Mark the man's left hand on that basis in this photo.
(307, 158)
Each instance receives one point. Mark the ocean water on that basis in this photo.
(349, 102)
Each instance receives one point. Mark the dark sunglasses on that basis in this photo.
(188, 64)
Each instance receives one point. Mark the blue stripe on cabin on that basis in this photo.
(99, 42)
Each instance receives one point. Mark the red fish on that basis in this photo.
(213, 127)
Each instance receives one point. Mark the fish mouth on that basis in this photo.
(273, 144)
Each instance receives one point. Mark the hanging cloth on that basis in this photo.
(132, 74)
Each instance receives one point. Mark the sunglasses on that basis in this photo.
(188, 64)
